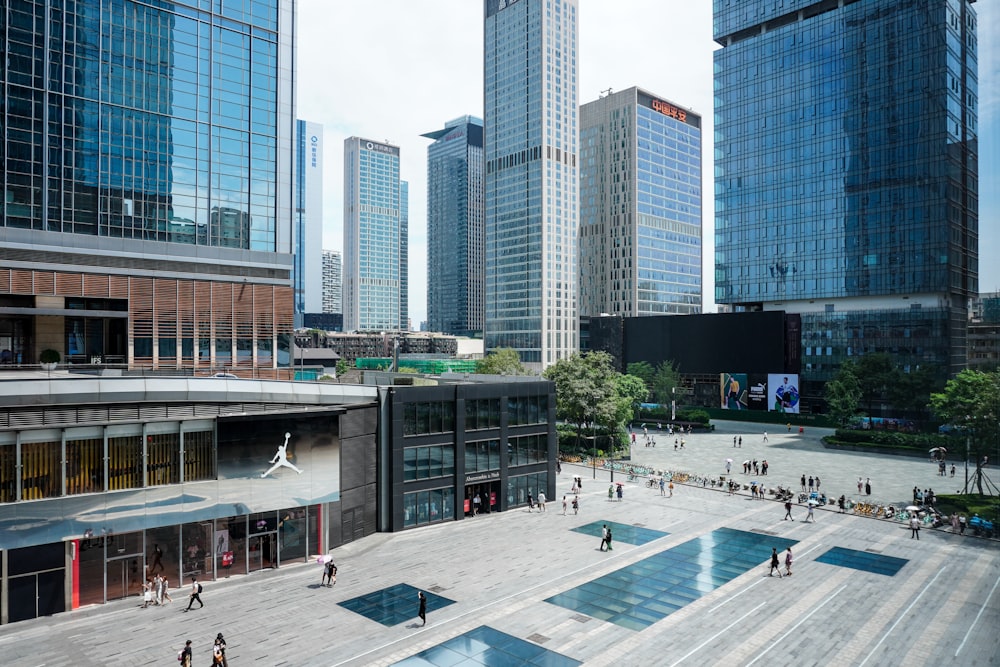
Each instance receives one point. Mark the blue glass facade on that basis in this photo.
(531, 179)
(144, 121)
(455, 234)
(846, 168)
(374, 237)
(640, 207)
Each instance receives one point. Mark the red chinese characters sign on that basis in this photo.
(669, 110)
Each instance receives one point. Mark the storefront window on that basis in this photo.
(163, 556)
(163, 456)
(198, 549)
(41, 470)
(8, 482)
(199, 455)
(409, 510)
(84, 466)
(231, 546)
(292, 534)
(124, 462)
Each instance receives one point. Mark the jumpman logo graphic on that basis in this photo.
(281, 459)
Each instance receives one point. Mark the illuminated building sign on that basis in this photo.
(668, 109)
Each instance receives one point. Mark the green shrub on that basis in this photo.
(49, 356)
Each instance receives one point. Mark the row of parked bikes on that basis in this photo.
(928, 516)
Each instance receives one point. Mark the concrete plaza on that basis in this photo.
(942, 607)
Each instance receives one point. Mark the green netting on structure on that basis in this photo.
(426, 366)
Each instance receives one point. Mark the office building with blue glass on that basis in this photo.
(846, 175)
(375, 244)
(147, 176)
(531, 178)
(455, 232)
(640, 206)
(308, 272)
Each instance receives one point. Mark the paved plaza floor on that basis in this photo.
(685, 584)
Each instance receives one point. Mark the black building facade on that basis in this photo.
(442, 446)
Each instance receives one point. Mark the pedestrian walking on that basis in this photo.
(961, 524)
(868, 486)
(531, 502)
(330, 572)
(734, 441)
(914, 527)
(817, 482)
(195, 594)
(609, 540)
(741, 442)
(184, 657)
(147, 594)
(788, 510)
(809, 513)
(604, 536)
(775, 563)
(802, 482)
(765, 436)
(861, 485)
(728, 464)
(564, 505)
(422, 611)
(576, 504)
(477, 501)
(841, 501)
(788, 562)
(219, 651)
(541, 501)
(663, 487)
(671, 490)
(620, 487)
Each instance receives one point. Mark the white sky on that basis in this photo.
(392, 70)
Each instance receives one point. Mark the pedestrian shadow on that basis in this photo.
(415, 625)
(315, 586)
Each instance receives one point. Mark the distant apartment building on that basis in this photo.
(375, 245)
(531, 167)
(332, 282)
(455, 232)
(640, 206)
(308, 219)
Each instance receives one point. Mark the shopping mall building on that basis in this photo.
(107, 481)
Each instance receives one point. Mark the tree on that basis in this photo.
(910, 392)
(843, 394)
(503, 361)
(876, 375)
(969, 401)
(342, 367)
(586, 390)
(631, 391)
(645, 372)
(667, 377)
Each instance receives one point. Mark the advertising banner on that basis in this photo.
(783, 390)
(757, 397)
(733, 391)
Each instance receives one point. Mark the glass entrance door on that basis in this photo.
(263, 551)
(124, 577)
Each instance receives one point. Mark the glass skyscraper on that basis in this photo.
(640, 206)
(531, 179)
(309, 263)
(455, 234)
(147, 170)
(846, 175)
(375, 243)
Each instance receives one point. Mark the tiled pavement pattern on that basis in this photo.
(393, 605)
(489, 648)
(640, 594)
(941, 608)
(621, 532)
(863, 560)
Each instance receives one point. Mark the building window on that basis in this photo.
(482, 455)
(41, 470)
(425, 418)
(199, 456)
(527, 410)
(125, 462)
(8, 483)
(424, 507)
(527, 450)
(163, 456)
(84, 466)
(428, 462)
(482, 413)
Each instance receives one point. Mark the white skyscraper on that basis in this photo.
(531, 178)
(374, 237)
(332, 282)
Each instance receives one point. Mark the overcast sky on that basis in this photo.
(392, 70)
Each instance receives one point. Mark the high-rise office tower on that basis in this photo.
(455, 234)
(374, 289)
(531, 179)
(147, 176)
(640, 206)
(404, 255)
(846, 175)
(308, 239)
(332, 282)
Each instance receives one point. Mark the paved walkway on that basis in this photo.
(941, 608)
